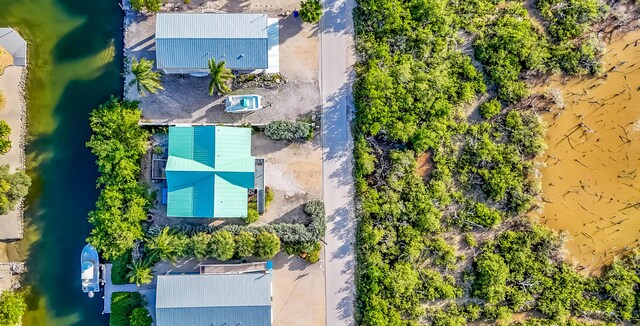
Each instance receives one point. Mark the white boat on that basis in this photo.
(243, 103)
(90, 270)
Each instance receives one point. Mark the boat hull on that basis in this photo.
(243, 103)
(90, 270)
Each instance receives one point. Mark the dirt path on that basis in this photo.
(11, 82)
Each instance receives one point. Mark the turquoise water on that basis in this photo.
(75, 62)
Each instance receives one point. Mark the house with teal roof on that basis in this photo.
(209, 171)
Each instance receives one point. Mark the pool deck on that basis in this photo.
(11, 86)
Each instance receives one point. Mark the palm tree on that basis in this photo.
(145, 79)
(310, 11)
(166, 246)
(139, 272)
(219, 77)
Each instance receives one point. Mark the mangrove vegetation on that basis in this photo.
(455, 246)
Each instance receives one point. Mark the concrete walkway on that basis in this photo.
(10, 86)
(336, 79)
(110, 288)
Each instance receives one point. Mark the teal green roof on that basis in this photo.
(209, 171)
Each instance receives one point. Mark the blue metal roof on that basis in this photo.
(209, 171)
(253, 316)
(188, 41)
(223, 299)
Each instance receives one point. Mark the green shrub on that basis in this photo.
(490, 108)
(122, 306)
(491, 277)
(198, 245)
(140, 272)
(570, 18)
(13, 188)
(267, 245)
(12, 307)
(222, 245)
(470, 240)
(310, 11)
(269, 195)
(148, 5)
(298, 248)
(166, 245)
(313, 256)
(287, 130)
(5, 132)
(245, 244)
(3, 100)
(140, 317)
(508, 47)
(579, 59)
(483, 215)
(252, 212)
(119, 268)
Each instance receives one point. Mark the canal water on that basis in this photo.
(75, 62)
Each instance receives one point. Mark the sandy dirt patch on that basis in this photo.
(425, 166)
(6, 59)
(11, 87)
(293, 171)
(298, 292)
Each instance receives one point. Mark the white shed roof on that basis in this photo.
(11, 41)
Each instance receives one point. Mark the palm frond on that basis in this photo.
(145, 78)
(219, 77)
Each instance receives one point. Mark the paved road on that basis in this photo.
(336, 79)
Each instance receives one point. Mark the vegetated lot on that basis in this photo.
(459, 248)
(186, 99)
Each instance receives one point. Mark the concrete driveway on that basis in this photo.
(298, 292)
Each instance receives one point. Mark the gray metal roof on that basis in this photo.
(232, 316)
(213, 299)
(11, 41)
(188, 41)
(195, 290)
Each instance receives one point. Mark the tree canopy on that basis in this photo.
(310, 11)
(219, 77)
(118, 143)
(5, 132)
(144, 77)
(13, 188)
(453, 245)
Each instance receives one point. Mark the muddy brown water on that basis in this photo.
(591, 177)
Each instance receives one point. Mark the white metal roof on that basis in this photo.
(11, 41)
(211, 26)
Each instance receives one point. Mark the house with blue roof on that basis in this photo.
(214, 299)
(209, 171)
(186, 41)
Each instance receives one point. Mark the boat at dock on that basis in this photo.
(243, 103)
(90, 270)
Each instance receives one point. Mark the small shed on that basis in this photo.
(11, 41)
